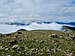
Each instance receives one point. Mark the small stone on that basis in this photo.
(71, 54)
(61, 36)
(9, 55)
(20, 52)
(32, 49)
(59, 49)
(72, 37)
(12, 42)
(55, 50)
(15, 46)
(42, 41)
(48, 50)
(1, 48)
(25, 50)
(3, 40)
(6, 49)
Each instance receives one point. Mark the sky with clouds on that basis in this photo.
(38, 9)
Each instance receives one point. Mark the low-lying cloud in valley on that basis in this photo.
(18, 14)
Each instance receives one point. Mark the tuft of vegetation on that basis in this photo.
(37, 43)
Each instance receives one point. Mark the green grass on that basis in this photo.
(36, 43)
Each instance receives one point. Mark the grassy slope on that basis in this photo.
(36, 43)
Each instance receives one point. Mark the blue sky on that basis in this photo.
(73, 2)
(38, 9)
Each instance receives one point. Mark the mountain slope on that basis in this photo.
(37, 43)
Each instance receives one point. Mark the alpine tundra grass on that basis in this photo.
(37, 43)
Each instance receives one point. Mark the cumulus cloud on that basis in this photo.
(37, 9)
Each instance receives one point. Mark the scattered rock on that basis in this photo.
(1, 48)
(16, 36)
(9, 55)
(68, 34)
(72, 37)
(20, 52)
(48, 50)
(34, 49)
(12, 42)
(61, 36)
(4, 46)
(71, 54)
(19, 32)
(55, 50)
(54, 36)
(6, 49)
(15, 46)
(42, 41)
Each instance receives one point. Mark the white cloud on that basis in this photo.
(5, 29)
(44, 8)
(28, 10)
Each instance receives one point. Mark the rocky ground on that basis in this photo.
(37, 43)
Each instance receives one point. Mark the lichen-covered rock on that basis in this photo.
(54, 36)
(61, 36)
(6, 49)
(15, 46)
(1, 48)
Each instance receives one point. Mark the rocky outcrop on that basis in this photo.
(56, 36)
(53, 36)
(68, 28)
